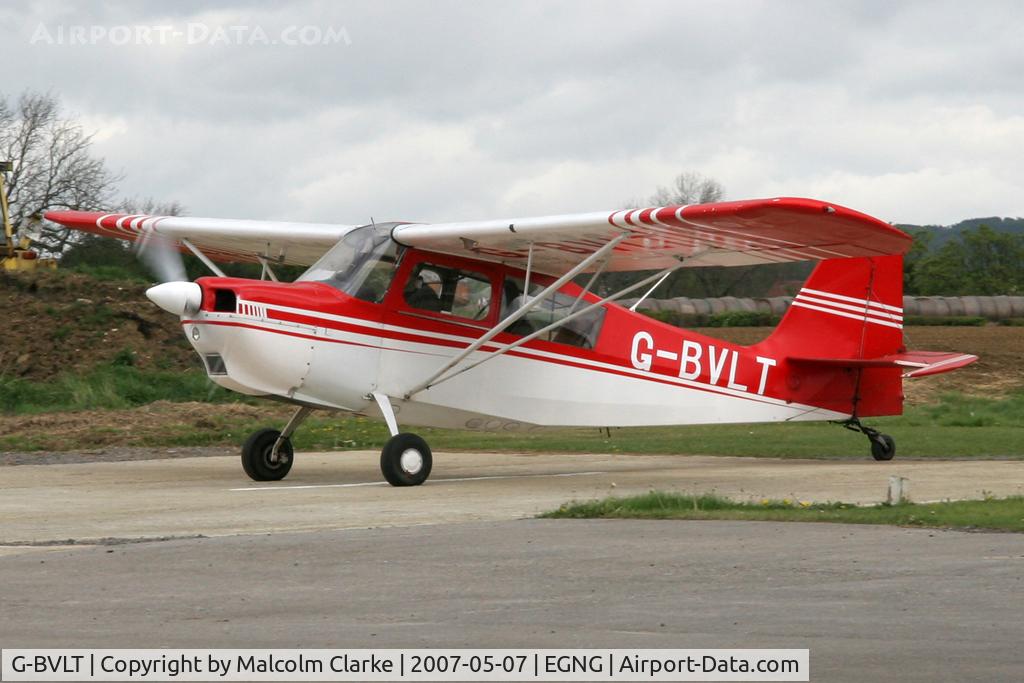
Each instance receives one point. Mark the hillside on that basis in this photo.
(61, 321)
(944, 233)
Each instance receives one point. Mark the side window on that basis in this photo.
(472, 296)
(423, 289)
(451, 291)
(581, 331)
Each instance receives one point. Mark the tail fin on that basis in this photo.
(849, 309)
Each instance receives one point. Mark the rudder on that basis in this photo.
(849, 308)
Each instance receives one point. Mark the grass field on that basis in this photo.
(115, 385)
(957, 426)
(122, 405)
(1004, 514)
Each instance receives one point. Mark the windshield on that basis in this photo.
(361, 264)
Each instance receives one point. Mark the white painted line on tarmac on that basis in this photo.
(431, 481)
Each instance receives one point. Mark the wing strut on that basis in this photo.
(519, 313)
(267, 270)
(650, 291)
(519, 342)
(202, 257)
(590, 283)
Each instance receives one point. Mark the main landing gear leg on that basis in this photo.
(883, 446)
(405, 459)
(267, 454)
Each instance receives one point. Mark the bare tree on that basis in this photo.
(54, 167)
(149, 207)
(689, 187)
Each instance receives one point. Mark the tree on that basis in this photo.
(689, 187)
(54, 167)
(149, 207)
(919, 250)
(980, 262)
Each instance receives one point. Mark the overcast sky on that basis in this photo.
(912, 112)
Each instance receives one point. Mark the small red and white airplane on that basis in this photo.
(480, 325)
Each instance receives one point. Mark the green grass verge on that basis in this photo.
(338, 432)
(1005, 514)
(114, 386)
(956, 426)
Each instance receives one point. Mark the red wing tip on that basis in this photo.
(75, 217)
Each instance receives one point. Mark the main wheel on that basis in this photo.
(406, 460)
(256, 456)
(883, 447)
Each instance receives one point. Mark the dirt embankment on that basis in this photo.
(162, 427)
(57, 322)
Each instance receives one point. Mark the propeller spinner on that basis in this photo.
(179, 298)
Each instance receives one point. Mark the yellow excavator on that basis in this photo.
(16, 254)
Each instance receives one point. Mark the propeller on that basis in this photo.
(176, 294)
(161, 256)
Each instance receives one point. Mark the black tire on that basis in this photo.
(883, 447)
(256, 456)
(414, 468)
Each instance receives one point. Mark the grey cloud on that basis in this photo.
(460, 109)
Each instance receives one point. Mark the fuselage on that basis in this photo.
(312, 343)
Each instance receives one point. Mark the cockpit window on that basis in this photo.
(361, 264)
(581, 331)
(451, 291)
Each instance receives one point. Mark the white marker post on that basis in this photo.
(899, 490)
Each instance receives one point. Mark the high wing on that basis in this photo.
(221, 239)
(725, 234)
(739, 233)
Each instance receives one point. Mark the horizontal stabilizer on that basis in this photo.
(915, 363)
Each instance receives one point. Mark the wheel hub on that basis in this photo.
(411, 461)
(273, 459)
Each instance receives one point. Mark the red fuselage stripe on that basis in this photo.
(421, 339)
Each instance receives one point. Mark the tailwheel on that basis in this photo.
(259, 459)
(883, 446)
(406, 460)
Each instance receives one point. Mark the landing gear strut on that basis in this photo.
(883, 446)
(267, 454)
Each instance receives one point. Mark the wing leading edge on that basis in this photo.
(221, 239)
(739, 233)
